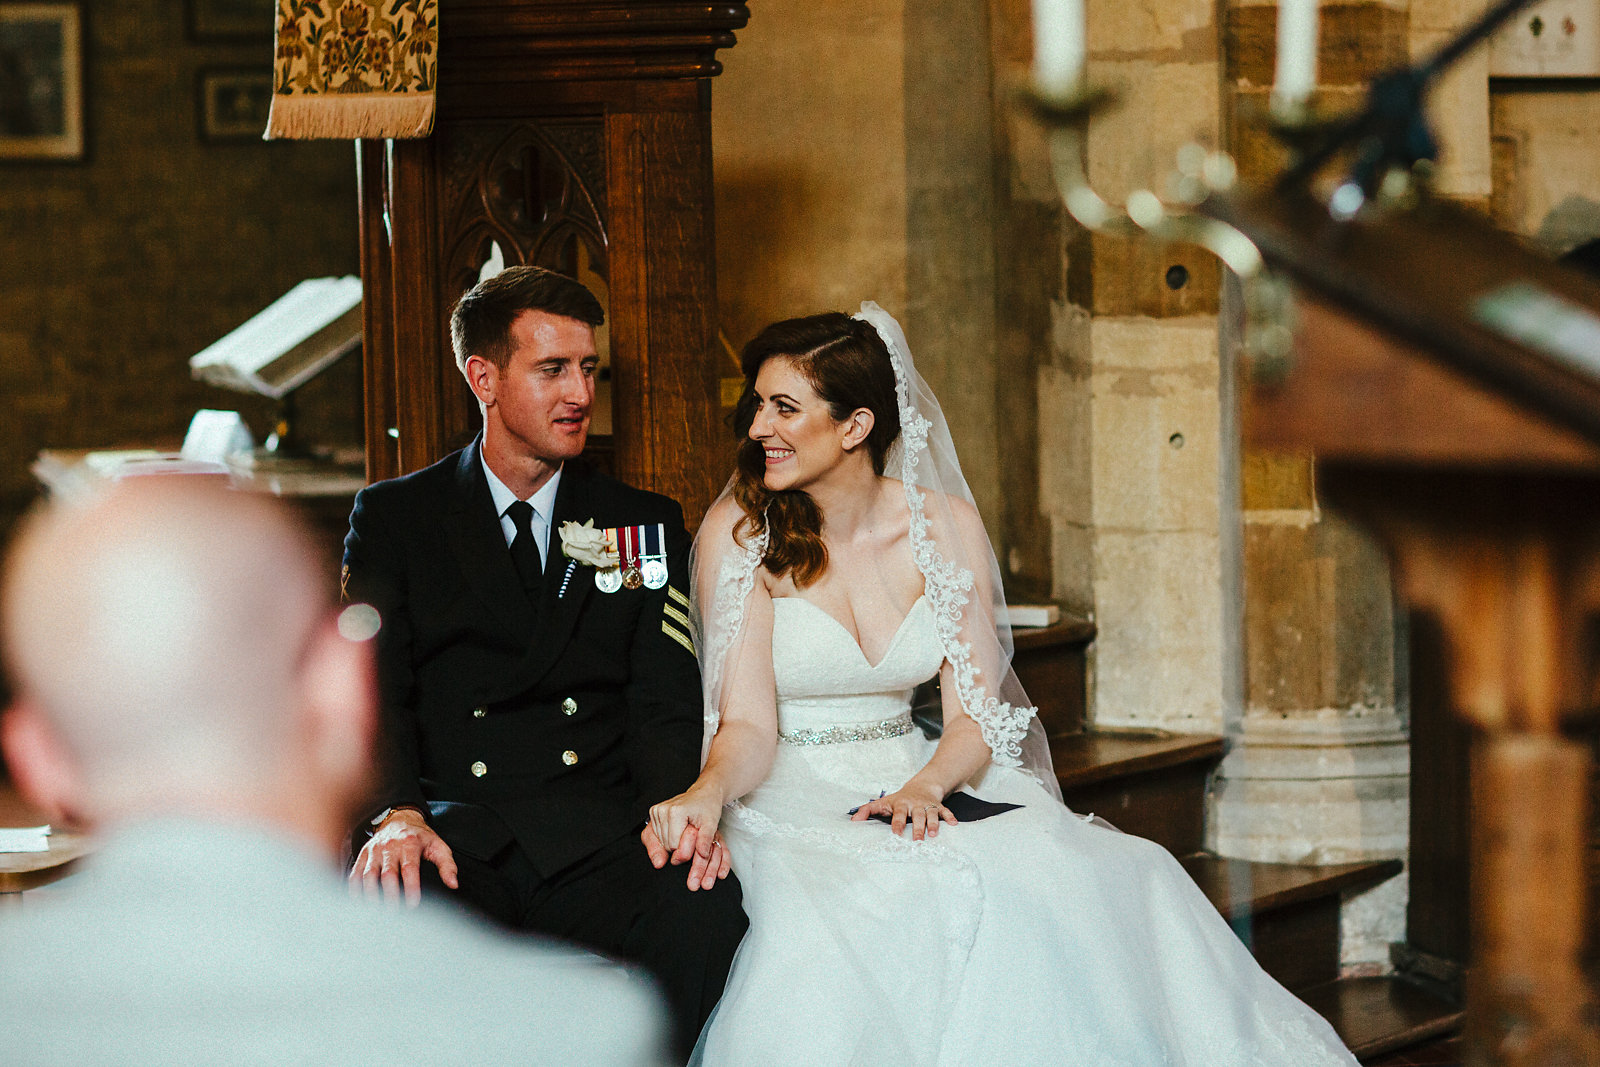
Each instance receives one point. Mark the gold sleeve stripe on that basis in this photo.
(672, 591)
(673, 613)
(677, 635)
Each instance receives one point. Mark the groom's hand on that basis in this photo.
(390, 864)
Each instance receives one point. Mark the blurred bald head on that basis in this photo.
(177, 640)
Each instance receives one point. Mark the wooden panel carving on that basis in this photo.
(537, 191)
(520, 185)
(567, 131)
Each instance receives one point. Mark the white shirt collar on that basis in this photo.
(543, 501)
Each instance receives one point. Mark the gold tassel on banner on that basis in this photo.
(354, 68)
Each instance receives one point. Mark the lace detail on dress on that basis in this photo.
(735, 578)
(1003, 725)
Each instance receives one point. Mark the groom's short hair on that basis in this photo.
(480, 325)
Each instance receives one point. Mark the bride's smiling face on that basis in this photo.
(795, 428)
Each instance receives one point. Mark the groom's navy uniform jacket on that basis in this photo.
(556, 723)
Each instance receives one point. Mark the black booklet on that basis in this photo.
(964, 806)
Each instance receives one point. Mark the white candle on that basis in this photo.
(1296, 74)
(1058, 45)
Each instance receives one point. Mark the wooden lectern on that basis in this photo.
(576, 135)
(1447, 379)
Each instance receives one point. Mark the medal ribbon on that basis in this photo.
(630, 539)
(653, 536)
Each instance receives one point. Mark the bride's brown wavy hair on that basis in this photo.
(848, 365)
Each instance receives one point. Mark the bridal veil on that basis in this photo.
(961, 576)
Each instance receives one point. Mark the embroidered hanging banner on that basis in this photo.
(354, 68)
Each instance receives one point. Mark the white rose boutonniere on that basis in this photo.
(587, 545)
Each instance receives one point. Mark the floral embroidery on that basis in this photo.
(356, 46)
(735, 578)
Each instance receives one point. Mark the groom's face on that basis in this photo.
(543, 395)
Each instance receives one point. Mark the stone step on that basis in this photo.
(1287, 913)
(1145, 782)
(1378, 1015)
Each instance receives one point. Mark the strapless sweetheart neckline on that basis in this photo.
(894, 641)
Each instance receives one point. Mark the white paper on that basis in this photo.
(24, 839)
(215, 435)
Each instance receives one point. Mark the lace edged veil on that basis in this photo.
(951, 550)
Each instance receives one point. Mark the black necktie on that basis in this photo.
(524, 549)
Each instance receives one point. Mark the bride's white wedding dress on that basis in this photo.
(1031, 937)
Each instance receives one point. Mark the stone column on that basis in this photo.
(1319, 764)
(1459, 106)
(1319, 769)
(1132, 393)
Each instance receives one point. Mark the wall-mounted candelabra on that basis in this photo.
(1388, 143)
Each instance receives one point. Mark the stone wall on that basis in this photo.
(809, 128)
(1546, 186)
(1459, 104)
(116, 270)
(855, 159)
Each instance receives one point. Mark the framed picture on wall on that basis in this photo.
(233, 104)
(231, 20)
(41, 81)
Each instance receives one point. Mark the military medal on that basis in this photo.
(630, 557)
(609, 580)
(654, 567)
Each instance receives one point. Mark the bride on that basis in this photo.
(986, 923)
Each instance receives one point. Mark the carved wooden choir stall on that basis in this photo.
(574, 136)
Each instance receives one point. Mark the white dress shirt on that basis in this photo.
(543, 503)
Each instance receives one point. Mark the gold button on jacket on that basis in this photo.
(479, 769)
(569, 707)
(569, 757)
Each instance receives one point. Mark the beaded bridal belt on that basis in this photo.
(898, 726)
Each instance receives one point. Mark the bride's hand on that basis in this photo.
(699, 808)
(913, 803)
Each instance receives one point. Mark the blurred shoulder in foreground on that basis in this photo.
(187, 689)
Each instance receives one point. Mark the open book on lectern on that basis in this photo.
(291, 341)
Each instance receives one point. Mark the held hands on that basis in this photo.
(687, 825)
(915, 803)
(392, 860)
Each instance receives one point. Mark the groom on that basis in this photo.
(535, 705)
